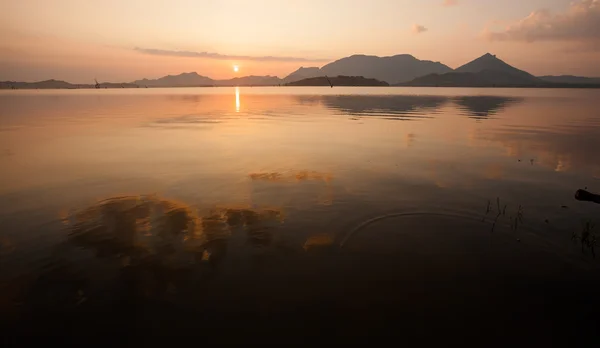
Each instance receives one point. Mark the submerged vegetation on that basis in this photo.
(586, 236)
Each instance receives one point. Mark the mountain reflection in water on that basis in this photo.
(415, 106)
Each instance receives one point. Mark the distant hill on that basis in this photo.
(56, 84)
(485, 71)
(339, 81)
(250, 81)
(570, 79)
(394, 69)
(489, 62)
(191, 79)
(303, 73)
(359, 70)
(485, 78)
(111, 85)
(48, 84)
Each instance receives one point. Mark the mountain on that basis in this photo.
(338, 81)
(191, 79)
(57, 84)
(111, 85)
(303, 73)
(360, 70)
(48, 84)
(251, 81)
(485, 71)
(489, 71)
(492, 63)
(571, 79)
(394, 69)
(485, 78)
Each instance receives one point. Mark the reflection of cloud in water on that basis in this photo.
(410, 139)
(310, 100)
(150, 247)
(6, 246)
(560, 148)
(185, 121)
(145, 224)
(318, 241)
(325, 197)
(494, 171)
(392, 106)
(481, 107)
(297, 176)
(189, 98)
(438, 170)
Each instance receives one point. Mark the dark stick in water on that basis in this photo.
(583, 195)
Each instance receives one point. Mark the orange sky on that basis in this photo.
(116, 40)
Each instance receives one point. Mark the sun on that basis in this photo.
(236, 68)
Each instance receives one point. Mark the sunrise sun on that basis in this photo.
(236, 68)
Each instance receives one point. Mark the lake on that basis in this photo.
(256, 213)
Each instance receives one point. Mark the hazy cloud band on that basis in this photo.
(580, 22)
(211, 55)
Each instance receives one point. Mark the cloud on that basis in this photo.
(418, 29)
(210, 55)
(450, 2)
(580, 22)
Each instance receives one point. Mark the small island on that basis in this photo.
(338, 81)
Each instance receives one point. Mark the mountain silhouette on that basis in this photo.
(570, 79)
(250, 81)
(485, 78)
(47, 84)
(191, 79)
(338, 81)
(58, 84)
(485, 71)
(400, 70)
(394, 69)
(303, 73)
(491, 63)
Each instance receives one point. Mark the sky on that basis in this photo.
(126, 40)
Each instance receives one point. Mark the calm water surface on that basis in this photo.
(311, 210)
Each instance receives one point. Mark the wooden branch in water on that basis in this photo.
(583, 195)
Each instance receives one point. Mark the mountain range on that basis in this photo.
(399, 70)
(192, 79)
(58, 84)
(490, 71)
(394, 69)
(571, 79)
(339, 80)
(487, 70)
